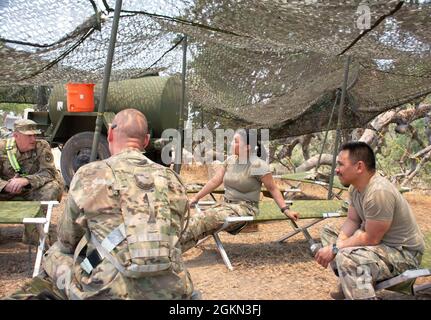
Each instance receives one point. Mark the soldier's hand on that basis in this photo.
(8, 188)
(192, 202)
(293, 215)
(15, 185)
(324, 256)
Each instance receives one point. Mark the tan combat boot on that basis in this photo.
(337, 294)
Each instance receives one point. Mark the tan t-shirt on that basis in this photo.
(383, 202)
(243, 181)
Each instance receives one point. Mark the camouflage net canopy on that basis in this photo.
(274, 64)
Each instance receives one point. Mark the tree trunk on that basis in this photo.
(405, 116)
(425, 159)
(428, 127)
(312, 162)
(305, 144)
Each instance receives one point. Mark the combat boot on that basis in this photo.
(337, 294)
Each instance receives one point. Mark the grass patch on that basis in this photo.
(18, 108)
(426, 259)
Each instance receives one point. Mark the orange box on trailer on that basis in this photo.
(80, 97)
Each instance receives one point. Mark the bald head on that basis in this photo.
(128, 129)
(131, 123)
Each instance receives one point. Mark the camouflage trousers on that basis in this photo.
(212, 219)
(68, 281)
(38, 288)
(62, 280)
(51, 191)
(359, 268)
(52, 282)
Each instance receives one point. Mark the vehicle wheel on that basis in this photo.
(77, 151)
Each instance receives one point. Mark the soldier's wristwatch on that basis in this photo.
(284, 209)
(334, 249)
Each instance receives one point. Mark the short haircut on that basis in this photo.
(360, 151)
(131, 123)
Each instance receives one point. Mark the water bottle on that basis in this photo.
(315, 247)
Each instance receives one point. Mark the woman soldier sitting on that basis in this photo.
(242, 174)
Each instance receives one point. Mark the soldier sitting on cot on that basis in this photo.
(118, 237)
(242, 175)
(380, 238)
(27, 170)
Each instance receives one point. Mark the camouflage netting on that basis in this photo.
(274, 64)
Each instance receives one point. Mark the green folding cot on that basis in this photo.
(28, 212)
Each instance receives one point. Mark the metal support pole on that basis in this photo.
(106, 77)
(327, 131)
(338, 133)
(202, 117)
(179, 153)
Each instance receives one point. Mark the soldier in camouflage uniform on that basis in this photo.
(27, 170)
(118, 236)
(4, 132)
(380, 238)
(242, 175)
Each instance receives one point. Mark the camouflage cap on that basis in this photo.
(26, 126)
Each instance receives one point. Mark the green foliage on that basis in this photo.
(297, 156)
(388, 159)
(18, 108)
(396, 145)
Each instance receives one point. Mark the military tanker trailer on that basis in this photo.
(159, 98)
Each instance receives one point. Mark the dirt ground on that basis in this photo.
(263, 268)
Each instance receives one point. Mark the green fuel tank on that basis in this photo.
(159, 98)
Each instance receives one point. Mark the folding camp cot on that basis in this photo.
(317, 210)
(308, 177)
(196, 187)
(25, 212)
(404, 283)
(311, 178)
